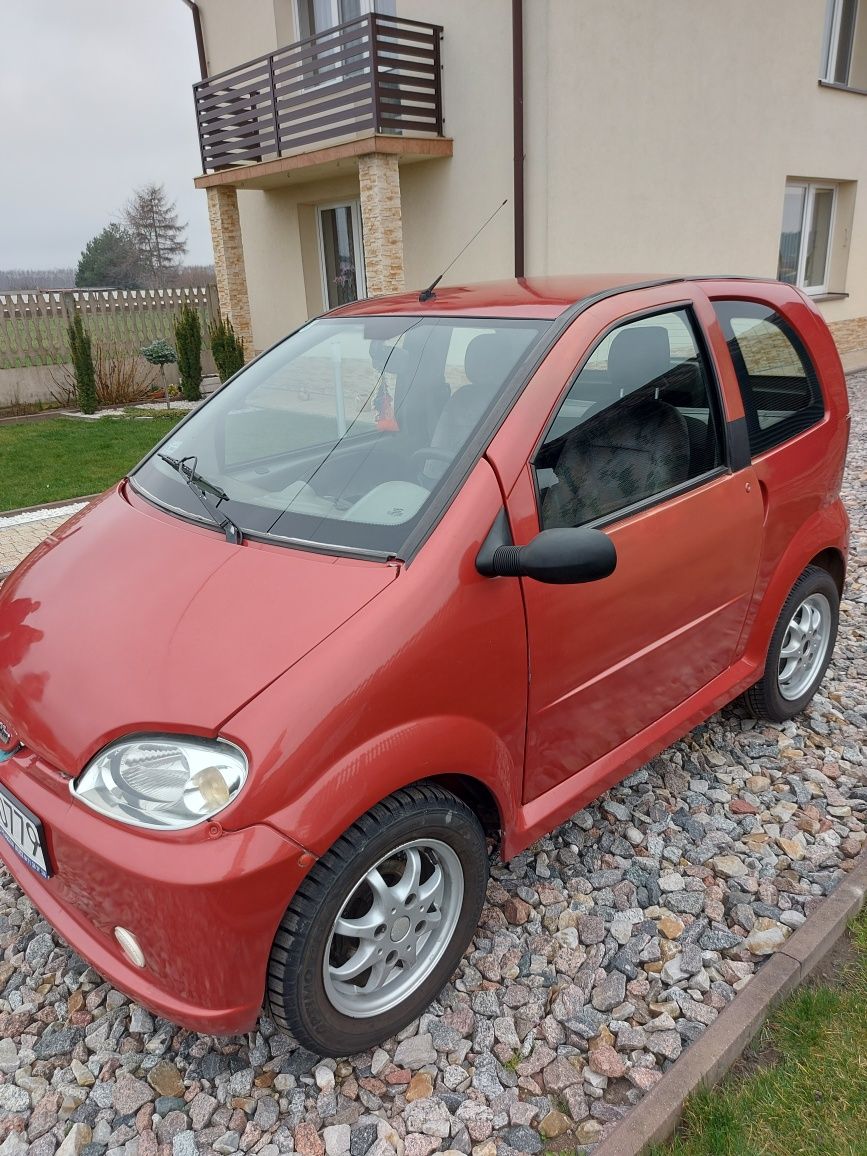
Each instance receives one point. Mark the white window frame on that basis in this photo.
(831, 41)
(811, 188)
(354, 207)
(367, 6)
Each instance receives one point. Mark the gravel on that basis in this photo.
(602, 952)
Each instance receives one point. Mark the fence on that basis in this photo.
(33, 325)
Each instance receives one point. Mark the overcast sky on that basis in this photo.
(95, 100)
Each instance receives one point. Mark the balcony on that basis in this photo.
(378, 76)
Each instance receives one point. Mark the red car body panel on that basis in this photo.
(131, 620)
(171, 631)
(188, 897)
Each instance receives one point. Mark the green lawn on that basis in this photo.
(802, 1088)
(54, 458)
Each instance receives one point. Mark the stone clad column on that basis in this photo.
(229, 261)
(382, 224)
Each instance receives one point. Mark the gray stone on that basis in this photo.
(665, 1044)
(337, 1139)
(610, 992)
(430, 1117)
(241, 1083)
(621, 814)
(522, 1139)
(38, 950)
(13, 1099)
(267, 1113)
(8, 1056)
(415, 1052)
(184, 1144)
(361, 1138)
(685, 902)
(166, 1104)
(57, 1042)
(719, 940)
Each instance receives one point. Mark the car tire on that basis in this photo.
(409, 877)
(800, 649)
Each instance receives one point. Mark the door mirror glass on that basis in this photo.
(559, 557)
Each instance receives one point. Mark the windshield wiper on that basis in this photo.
(201, 487)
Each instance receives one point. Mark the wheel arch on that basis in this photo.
(821, 541)
(457, 753)
(479, 798)
(833, 561)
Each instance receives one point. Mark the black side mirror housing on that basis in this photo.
(559, 557)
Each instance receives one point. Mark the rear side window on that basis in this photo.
(779, 384)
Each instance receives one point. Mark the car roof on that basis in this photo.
(531, 297)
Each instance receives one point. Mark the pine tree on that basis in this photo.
(227, 348)
(110, 260)
(82, 363)
(188, 339)
(152, 220)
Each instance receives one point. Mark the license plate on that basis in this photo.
(24, 833)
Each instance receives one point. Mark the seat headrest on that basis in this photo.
(684, 386)
(489, 358)
(638, 355)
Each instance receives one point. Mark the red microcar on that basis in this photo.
(424, 578)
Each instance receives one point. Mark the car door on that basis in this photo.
(638, 447)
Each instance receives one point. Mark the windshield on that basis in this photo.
(340, 435)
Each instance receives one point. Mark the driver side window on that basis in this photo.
(639, 419)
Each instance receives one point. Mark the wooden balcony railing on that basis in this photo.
(376, 74)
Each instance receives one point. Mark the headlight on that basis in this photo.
(162, 781)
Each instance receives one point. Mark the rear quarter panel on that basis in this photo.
(800, 479)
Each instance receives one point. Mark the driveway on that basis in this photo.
(602, 952)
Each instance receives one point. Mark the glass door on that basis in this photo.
(315, 16)
(340, 253)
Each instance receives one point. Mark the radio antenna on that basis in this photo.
(428, 294)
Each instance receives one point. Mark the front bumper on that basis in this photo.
(204, 903)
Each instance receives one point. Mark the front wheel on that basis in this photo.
(800, 650)
(379, 925)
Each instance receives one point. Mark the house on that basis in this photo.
(352, 147)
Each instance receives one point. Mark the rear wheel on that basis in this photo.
(800, 649)
(378, 926)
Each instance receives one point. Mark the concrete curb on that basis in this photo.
(47, 506)
(704, 1062)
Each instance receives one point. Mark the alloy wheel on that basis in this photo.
(805, 645)
(393, 928)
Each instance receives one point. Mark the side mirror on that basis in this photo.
(559, 557)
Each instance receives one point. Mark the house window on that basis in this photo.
(340, 253)
(315, 16)
(805, 240)
(844, 50)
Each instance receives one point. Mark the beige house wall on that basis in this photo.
(682, 124)
(659, 138)
(445, 201)
(238, 30)
(281, 253)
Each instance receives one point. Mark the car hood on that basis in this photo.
(128, 619)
